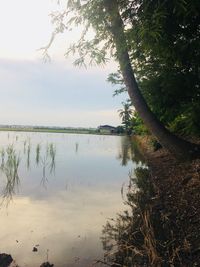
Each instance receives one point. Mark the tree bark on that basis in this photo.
(180, 148)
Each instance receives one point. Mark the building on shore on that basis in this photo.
(107, 129)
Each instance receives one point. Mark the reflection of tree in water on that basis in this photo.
(142, 235)
(129, 151)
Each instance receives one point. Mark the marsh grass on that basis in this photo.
(2, 155)
(28, 156)
(76, 147)
(52, 154)
(10, 161)
(38, 151)
(24, 145)
(130, 240)
(44, 179)
(47, 161)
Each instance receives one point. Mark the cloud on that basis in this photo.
(55, 94)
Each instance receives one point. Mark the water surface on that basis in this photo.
(57, 190)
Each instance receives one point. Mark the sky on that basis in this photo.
(54, 93)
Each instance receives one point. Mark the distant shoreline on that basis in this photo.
(51, 130)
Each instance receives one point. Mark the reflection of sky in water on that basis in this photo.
(66, 215)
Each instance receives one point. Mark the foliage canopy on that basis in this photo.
(163, 40)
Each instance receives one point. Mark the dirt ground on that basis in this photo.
(177, 187)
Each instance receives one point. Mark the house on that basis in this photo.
(107, 129)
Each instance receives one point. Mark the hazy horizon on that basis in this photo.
(56, 126)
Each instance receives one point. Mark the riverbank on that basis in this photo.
(177, 188)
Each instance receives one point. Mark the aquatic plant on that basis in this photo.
(10, 169)
(24, 146)
(44, 179)
(10, 160)
(76, 147)
(52, 155)
(2, 154)
(28, 156)
(38, 149)
(48, 160)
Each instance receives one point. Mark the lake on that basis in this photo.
(57, 190)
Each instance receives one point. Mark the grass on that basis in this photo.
(9, 167)
(10, 160)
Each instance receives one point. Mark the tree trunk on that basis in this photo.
(180, 148)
